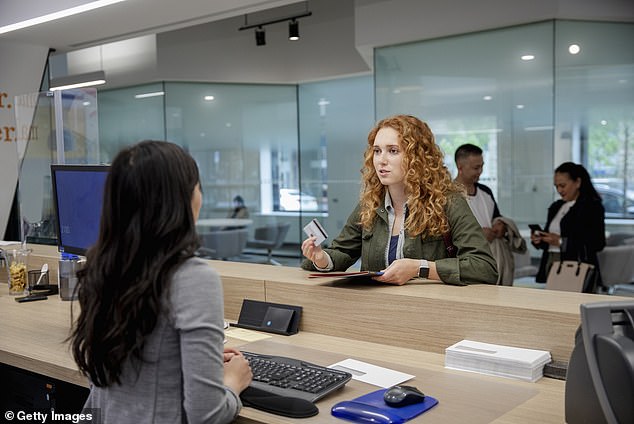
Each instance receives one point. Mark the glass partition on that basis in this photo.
(493, 89)
(244, 138)
(594, 80)
(42, 141)
(128, 115)
(292, 152)
(335, 118)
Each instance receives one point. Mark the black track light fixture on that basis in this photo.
(260, 36)
(293, 26)
(293, 30)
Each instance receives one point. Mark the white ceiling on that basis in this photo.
(123, 20)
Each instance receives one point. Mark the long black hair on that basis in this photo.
(147, 229)
(576, 171)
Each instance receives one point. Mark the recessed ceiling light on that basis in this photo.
(209, 98)
(487, 98)
(604, 122)
(574, 48)
(528, 57)
(86, 103)
(520, 106)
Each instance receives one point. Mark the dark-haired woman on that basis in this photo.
(150, 331)
(575, 227)
(239, 210)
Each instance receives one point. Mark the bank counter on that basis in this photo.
(405, 328)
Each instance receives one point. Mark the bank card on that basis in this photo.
(314, 228)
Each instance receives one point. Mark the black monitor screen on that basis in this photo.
(78, 197)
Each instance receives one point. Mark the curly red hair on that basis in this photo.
(427, 180)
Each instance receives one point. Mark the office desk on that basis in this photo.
(33, 338)
(402, 327)
(431, 315)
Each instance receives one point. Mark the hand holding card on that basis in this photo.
(314, 229)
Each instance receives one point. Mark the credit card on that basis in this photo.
(314, 228)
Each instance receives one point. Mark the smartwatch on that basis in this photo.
(423, 269)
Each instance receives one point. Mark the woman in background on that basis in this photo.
(150, 331)
(575, 226)
(410, 217)
(239, 210)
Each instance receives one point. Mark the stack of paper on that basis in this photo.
(503, 361)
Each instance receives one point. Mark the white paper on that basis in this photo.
(492, 359)
(372, 374)
(499, 353)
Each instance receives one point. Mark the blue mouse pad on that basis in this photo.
(371, 408)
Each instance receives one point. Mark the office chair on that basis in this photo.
(223, 244)
(617, 267)
(269, 237)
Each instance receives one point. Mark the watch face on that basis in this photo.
(423, 272)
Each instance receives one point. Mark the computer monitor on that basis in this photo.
(78, 198)
(600, 377)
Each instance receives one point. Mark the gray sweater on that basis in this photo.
(181, 380)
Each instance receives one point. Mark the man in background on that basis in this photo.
(501, 232)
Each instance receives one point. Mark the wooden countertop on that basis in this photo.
(34, 333)
(400, 327)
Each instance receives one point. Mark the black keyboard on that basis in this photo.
(294, 378)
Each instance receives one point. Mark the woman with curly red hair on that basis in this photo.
(410, 216)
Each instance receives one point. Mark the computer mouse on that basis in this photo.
(398, 396)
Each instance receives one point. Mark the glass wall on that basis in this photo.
(287, 150)
(594, 82)
(128, 115)
(244, 138)
(493, 89)
(532, 97)
(334, 120)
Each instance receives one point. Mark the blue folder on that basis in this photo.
(371, 408)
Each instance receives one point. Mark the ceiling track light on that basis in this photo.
(293, 27)
(293, 30)
(260, 36)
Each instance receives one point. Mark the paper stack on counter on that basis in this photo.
(503, 361)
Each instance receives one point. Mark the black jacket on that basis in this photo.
(582, 234)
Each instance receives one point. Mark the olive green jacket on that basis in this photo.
(472, 264)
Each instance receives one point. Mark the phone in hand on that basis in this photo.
(535, 228)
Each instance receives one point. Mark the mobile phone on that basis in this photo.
(314, 229)
(535, 228)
